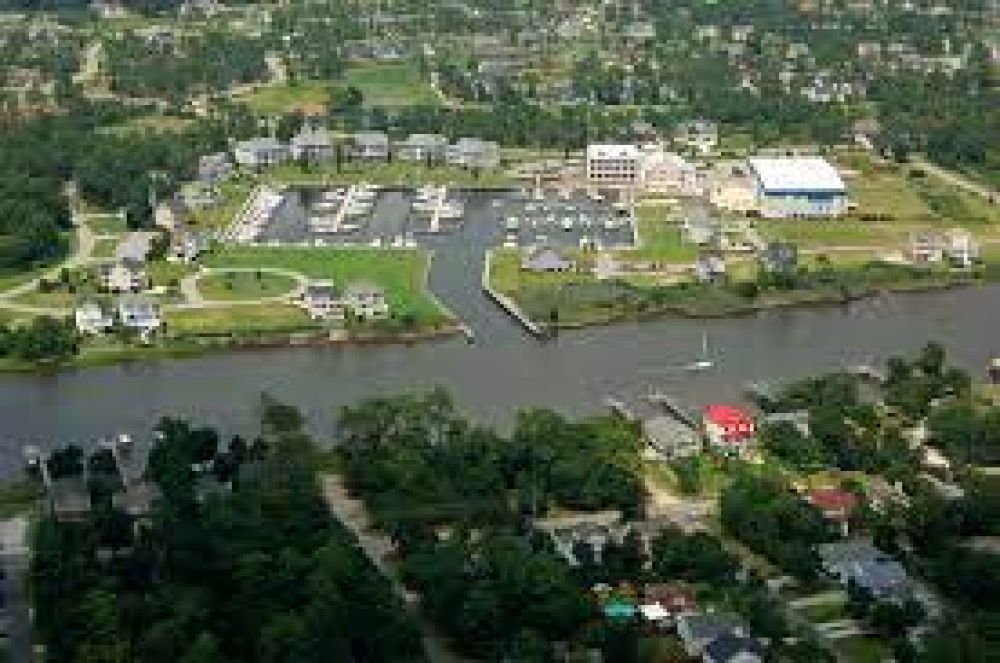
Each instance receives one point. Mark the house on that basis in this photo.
(667, 173)
(366, 302)
(135, 246)
(123, 276)
(614, 165)
(664, 602)
(592, 532)
(91, 318)
(423, 148)
(170, 214)
(473, 153)
(734, 648)
(780, 258)
(260, 152)
(700, 228)
(187, 245)
(214, 168)
(700, 136)
(788, 187)
(728, 429)
(136, 499)
(670, 437)
(322, 300)
(370, 146)
(546, 259)
(139, 314)
(961, 248)
(859, 562)
(710, 268)
(311, 144)
(835, 504)
(926, 248)
(69, 499)
(698, 629)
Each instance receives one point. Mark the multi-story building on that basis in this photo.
(614, 165)
(789, 187)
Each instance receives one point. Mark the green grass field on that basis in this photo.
(167, 274)
(401, 273)
(251, 318)
(660, 237)
(309, 97)
(237, 286)
(104, 247)
(390, 85)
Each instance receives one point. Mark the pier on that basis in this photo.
(508, 304)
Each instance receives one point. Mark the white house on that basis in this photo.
(311, 144)
(789, 187)
(473, 153)
(139, 314)
(260, 152)
(91, 318)
(323, 301)
(422, 148)
(611, 165)
(366, 301)
(370, 146)
(123, 276)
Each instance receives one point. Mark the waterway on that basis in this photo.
(494, 377)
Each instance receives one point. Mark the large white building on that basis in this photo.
(614, 165)
(797, 187)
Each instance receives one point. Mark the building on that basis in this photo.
(473, 153)
(700, 136)
(670, 437)
(835, 504)
(260, 152)
(780, 258)
(546, 259)
(859, 562)
(138, 314)
(961, 248)
(698, 629)
(423, 148)
(734, 648)
(322, 300)
(91, 318)
(788, 187)
(69, 499)
(664, 602)
(123, 276)
(187, 245)
(710, 268)
(135, 246)
(366, 302)
(370, 146)
(311, 144)
(170, 214)
(669, 174)
(614, 165)
(214, 168)
(925, 248)
(728, 429)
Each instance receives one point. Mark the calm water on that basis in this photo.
(493, 378)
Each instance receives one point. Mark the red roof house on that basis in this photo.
(728, 428)
(836, 504)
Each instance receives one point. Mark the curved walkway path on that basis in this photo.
(194, 299)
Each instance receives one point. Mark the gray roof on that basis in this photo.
(136, 306)
(362, 289)
(866, 565)
(371, 139)
(135, 246)
(425, 140)
(728, 646)
(667, 434)
(321, 290)
(311, 138)
(707, 627)
(546, 260)
(261, 144)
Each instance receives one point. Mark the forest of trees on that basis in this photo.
(253, 570)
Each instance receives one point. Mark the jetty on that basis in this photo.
(508, 304)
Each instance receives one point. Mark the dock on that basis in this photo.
(508, 304)
(666, 427)
(674, 408)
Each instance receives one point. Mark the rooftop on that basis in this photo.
(728, 415)
(796, 174)
(608, 151)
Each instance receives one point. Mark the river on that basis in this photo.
(491, 380)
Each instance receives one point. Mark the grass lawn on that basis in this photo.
(401, 273)
(235, 286)
(18, 497)
(106, 224)
(507, 277)
(826, 611)
(864, 650)
(58, 299)
(237, 319)
(307, 97)
(820, 233)
(167, 274)
(233, 194)
(390, 85)
(397, 173)
(105, 247)
(660, 237)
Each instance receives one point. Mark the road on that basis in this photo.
(379, 549)
(955, 179)
(194, 299)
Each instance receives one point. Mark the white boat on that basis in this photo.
(704, 363)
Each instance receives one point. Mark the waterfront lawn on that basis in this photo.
(248, 319)
(398, 173)
(105, 248)
(660, 237)
(233, 194)
(308, 97)
(401, 272)
(821, 234)
(239, 286)
(390, 85)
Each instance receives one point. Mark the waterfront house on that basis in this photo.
(370, 146)
(322, 300)
(926, 248)
(311, 144)
(260, 152)
(91, 318)
(473, 153)
(214, 168)
(187, 245)
(859, 562)
(730, 430)
(710, 268)
(423, 148)
(545, 259)
(366, 301)
(961, 248)
(139, 314)
(780, 258)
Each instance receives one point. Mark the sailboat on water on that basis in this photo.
(704, 363)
